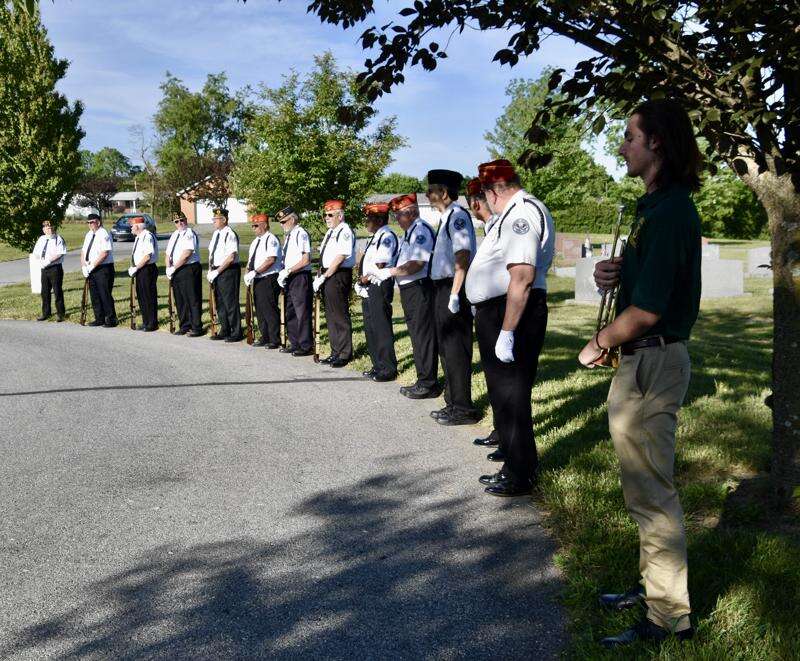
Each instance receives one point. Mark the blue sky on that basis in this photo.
(119, 52)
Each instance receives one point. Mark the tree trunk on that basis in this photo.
(782, 205)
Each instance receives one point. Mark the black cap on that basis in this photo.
(284, 213)
(93, 216)
(448, 178)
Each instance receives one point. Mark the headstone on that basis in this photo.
(758, 260)
(585, 288)
(571, 249)
(36, 274)
(710, 251)
(722, 278)
(564, 271)
(704, 240)
(605, 249)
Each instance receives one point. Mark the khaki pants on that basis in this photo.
(643, 402)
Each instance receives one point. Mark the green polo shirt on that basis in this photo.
(661, 266)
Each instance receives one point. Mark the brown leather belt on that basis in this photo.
(628, 348)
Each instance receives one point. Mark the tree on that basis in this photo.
(728, 208)
(102, 174)
(197, 133)
(39, 132)
(734, 64)
(395, 182)
(312, 141)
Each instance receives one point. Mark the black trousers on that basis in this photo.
(147, 295)
(297, 308)
(377, 311)
(265, 298)
(510, 384)
(101, 284)
(187, 288)
(454, 337)
(52, 280)
(417, 300)
(336, 296)
(226, 291)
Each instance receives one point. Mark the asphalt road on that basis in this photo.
(163, 497)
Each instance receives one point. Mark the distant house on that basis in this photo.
(127, 201)
(200, 211)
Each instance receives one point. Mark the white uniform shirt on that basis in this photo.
(416, 246)
(295, 243)
(524, 234)
(339, 240)
(382, 248)
(144, 244)
(492, 220)
(180, 241)
(96, 242)
(261, 249)
(455, 233)
(51, 248)
(224, 242)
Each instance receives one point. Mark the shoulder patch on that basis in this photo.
(420, 238)
(459, 223)
(521, 226)
(386, 241)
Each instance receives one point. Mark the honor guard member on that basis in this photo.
(507, 285)
(224, 275)
(97, 264)
(184, 270)
(295, 278)
(337, 257)
(657, 305)
(480, 209)
(264, 261)
(381, 252)
(412, 273)
(143, 269)
(50, 250)
(452, 254)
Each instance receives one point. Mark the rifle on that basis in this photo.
(83, 301)
(212, 308)
(248, 313)
(315, 319)
(171, 307)
(133, 303)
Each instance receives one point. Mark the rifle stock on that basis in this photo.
(315, 319)
(83, 300)
(171, 307)
(248, 313)
(133, 303)
(212, 308)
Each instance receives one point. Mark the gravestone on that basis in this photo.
(564, 271)
(722, 278)
(710, 251)
(757, 261)
(585, 288)
(605, 248)
(567, 247)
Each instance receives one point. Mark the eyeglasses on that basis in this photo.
(179, 221)
(255, 226)
(332, 215)
(92, 222)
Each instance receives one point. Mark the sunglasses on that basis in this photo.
(178, 222)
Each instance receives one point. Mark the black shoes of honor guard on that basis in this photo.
(506, 487)
(330, 359)
(419, 392)
(217, 337)
(339, 362)
(497, 455)
(491, 440)
(260, 343)
(181, 331)
(442, 412)
(199, 333)
(302, 352)
(287, 350)
(455, 418)
(43, 317)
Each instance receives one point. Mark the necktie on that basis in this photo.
(172, 250)
(89, 248)
(44, 250)
(252, 261)
(324, 243)
(135, 243)
(211, 254)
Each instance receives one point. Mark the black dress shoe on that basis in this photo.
(621, 602)
(140, 327)
(369, 373)
(510, 488)
(302, 352)
(444, 411)
(60, 317)
(181, 331)
(383, 378)
(43, 317)
(287, 350)
(199, 333)
(260, 343)
(494, 478)
(457, 419)
(218, 337)
(96, 322)
(273, 346)
(111, 324)
(150, 329)
(497, 455)
(644, 630)
(234, 338)
(490, 441)
(328, 360)
(340, 362)
(418, 392)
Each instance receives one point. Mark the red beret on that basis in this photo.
(377, 208)
(474, 187)
(136, 220)
(259, 218)
(334, 205)
(494, 171)
(402, 201)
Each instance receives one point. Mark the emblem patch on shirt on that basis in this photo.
(459, 223)
(521, 226)
(387, 241)
(420, 239)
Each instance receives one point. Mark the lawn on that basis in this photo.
(744, 574)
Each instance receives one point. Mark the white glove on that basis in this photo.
(212, 275)
(132, 270)
(504, 347)
(361, 290)
(170, 271)
(86, 270)
(381, 275)
(453, 304)
(318, 282)
(249, 277)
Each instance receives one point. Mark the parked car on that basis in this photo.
(121, 229)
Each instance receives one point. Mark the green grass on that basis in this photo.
(744, 575)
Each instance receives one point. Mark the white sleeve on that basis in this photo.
(303, 242)
(386, 249)
(150, 247)
(461, 232)
(421, 246)
(229, 244)
(37, 247)
(519, 241)
(61, 246)
(105, 242)
(272, 247)
(344, 244)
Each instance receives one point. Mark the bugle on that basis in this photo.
(608, 303)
